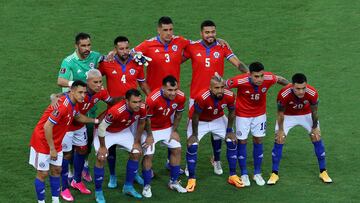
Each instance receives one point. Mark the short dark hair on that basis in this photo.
(132, 92)
(164, 20)
(169, 79)
(80, 36)
(256, 67)
(298, 78)
(120, 39)
(78, 83)
(207, 23)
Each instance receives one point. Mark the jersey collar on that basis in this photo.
(208, 48)
(68, 98)
(123, 66)
(166, 99)
(256, 88)
(166, 45)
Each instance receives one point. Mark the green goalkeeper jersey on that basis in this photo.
(74, 68)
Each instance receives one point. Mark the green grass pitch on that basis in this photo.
(319, 38)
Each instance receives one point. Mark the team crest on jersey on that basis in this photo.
(55, 113)
(174, 47)
(223, 106)
(96, 100)
(216, 54)
(74, 112)
(137, 117)
(62, 70)
(132, 71)
(174, 106)
(42, 164)
(306, 101)
(264, 89)
(109, 117)
(91, 65)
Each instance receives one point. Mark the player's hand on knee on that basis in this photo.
(315, 134)
(280, 137)
(231, 136)
(136, 149)
(174, 136)
(53, 154)
(102, 153)
(192, 140)
(149, 141)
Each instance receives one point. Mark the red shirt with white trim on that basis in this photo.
(297, 106)
(251, 99)
(211, 108)
(121, 77)
(161, 109)
(61, 117)
(120, 117)
(89, 102)
(205, 62)
(166, 59)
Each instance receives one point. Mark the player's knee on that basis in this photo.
(257, 140)
(99, 163)
(242, 141)
(42, 175)
(315, 138)
(230, 145)
(67, 155)
(280, 139)
(81, 149)
(134, 156)
(176, 151)
(55, 170)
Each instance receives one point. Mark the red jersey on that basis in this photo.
(211, 108)
(166, 59)
(121, 77)
(120, 117)
(161, 109)
(294, 105)
(89, 102)
(61, 117)
(205, 62)
(251, 99)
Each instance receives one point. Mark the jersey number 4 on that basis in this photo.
(123, 79)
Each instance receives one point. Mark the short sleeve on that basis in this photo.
(150, 106)
(65, 70)
(228, 53)
(141, 75)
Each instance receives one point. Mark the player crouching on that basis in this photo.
(297, 105)
(208, 117)
(165, 107)
(115, 130)
(45, 145)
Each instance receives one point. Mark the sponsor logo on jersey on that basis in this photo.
(91, 65)
(124, 120)
(247, 92)
(109, 117)
(62, 70)
(291, 102)
(132, 71)
(174, 47)
(161, 108)
(157, 51)
(306, 101)
(264, 89)
(209, 107)
(79, 71)
(174, 106)
(223, 105)
(198, 54)
(64, 146)
(96, 100)
(216, 54)
(114, 72)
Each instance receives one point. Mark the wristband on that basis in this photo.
(229, 130)
(70, 83)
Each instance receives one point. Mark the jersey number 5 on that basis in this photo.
(207, 62)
